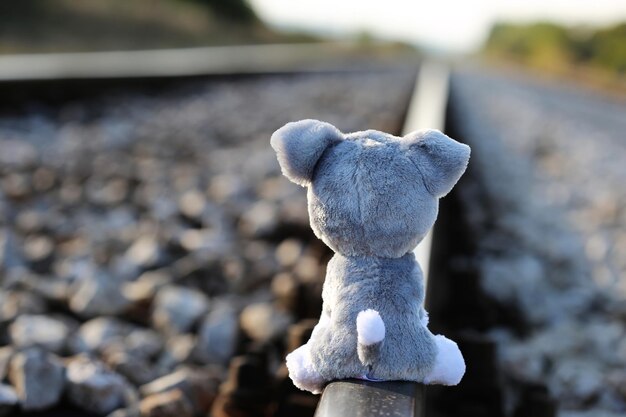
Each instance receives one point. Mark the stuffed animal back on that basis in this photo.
(372, 197)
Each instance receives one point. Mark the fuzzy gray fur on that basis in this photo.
(300, 144)
(392, 286)
(372, 198)
(369, 354)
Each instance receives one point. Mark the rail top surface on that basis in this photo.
(352, 398)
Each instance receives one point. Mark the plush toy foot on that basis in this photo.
(302, 372)
(449, 364)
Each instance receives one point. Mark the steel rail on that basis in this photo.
(53, 78)
(214, 60)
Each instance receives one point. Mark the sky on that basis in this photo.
(445, 25)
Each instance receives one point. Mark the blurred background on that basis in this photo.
(154, 261)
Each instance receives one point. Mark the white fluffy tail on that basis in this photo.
(370, 327)
(370, 330)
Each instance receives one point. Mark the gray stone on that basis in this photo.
(109, 193)
(308, 269)
(16, 185)
(140, 343)
(264, 264)
(98, 294)
(604, 337)
(39, 330)
(146, 286)
(136, 369)
(179, 349)
(275, 189)
(246, 390)
(39, 252)
(287, 291)
(44, 179)
(204, 240)
(192, 204)
(38, 378)
(288, 252)
(166, 383)
(125, 412)
(8, 400)
(145, 252)
(523, 362)
(10, 256)
(145, 343)
(166, 404)
(293, 211)
(576, 381)
(14, 303)
(260, 220)
(617, 380)
(31, 221)
(123, 269)
(94, 388)
(217, 338)
(229, 190)
(17, 154)
(70, 192)
(199, 386)
(96, 334)
(177, 309)
(262, 322)
(51, 288)
(6, 353)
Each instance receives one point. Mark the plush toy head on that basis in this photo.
(370, 193)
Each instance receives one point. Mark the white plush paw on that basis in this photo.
(302, 372)
(449, 364)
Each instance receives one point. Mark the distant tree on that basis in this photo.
(550, 45)
(608, 48)
(543, 44)
(236, 10)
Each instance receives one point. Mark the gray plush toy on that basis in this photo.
(372, 198)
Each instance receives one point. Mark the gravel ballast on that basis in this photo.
(546, 194)
(135, 228)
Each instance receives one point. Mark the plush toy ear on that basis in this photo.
(440, 159)
(299, 145)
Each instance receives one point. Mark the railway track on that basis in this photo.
(49, 81)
